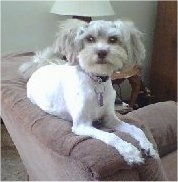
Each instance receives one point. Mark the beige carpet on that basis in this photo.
(12, 168)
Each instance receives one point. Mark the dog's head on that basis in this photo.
(101, 47)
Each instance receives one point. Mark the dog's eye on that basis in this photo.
(112, 39)
(90, 39)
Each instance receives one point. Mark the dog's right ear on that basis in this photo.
(66, 39)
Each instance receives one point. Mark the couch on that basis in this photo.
(50, 151)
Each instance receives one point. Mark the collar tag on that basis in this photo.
(100, 99)
(99, 90)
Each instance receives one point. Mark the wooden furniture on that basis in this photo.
(134, 79)
(164, 61)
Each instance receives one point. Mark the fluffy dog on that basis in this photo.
(81, 90)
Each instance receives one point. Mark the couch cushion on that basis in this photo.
(54, 134)
(170, 165)
(161, 118)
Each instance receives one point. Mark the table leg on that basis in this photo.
(135, 82)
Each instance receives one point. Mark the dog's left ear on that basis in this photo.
(132, 39)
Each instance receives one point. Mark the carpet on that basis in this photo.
(12, 168)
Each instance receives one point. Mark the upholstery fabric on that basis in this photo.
(161, 119)
(50, 150)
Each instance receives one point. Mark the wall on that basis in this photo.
(28, 25)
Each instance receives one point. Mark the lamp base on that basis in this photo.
(83, 18)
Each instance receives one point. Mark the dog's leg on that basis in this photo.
(130, 153)
(113, 122)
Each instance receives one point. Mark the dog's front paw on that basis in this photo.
(131, 154)
(148, 150)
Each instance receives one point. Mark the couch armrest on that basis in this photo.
(161, 119)
(49, 149)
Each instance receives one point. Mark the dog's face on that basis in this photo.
(102, 47)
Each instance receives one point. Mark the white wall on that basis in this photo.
(28, 25)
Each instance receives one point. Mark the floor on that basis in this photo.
(12, 168)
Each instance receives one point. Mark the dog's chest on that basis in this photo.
(92, 100)
(100, 102)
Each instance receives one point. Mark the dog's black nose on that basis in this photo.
(102, 54)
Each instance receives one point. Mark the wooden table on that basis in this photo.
(133, 75)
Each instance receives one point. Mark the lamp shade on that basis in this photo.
(82, 8)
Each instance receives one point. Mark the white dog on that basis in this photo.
(81, 90)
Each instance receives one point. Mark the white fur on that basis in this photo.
(67, 91)
(42, 58)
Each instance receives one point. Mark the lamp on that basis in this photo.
(82, 10)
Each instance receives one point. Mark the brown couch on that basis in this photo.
(50, 151)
